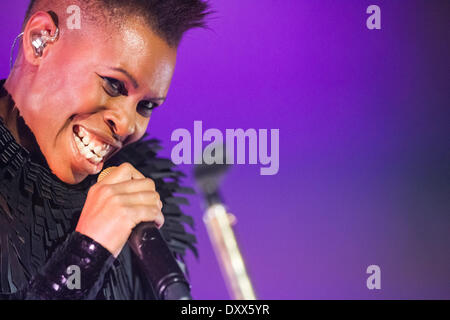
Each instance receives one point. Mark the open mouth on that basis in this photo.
(90, 146)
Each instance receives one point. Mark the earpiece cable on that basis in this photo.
(12, 52)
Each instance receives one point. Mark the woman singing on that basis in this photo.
(77, 95)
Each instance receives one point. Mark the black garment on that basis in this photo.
(38, 216)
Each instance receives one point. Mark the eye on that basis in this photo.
(114, 87)
(145, 108)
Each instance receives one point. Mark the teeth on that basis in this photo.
(102, 153)
(91, 146)
(96, 149)
(81, 132)
(88, 147)
(99, 151)
(86, 140)
(87, 153)
(79, 143)
(96, 159)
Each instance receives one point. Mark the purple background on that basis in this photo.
(364, 142)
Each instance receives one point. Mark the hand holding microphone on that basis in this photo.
(124, 206)
(116, 205)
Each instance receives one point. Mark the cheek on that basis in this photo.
(49, 114)
(41, 118)
(141, 127)
(75, 88)
(75, 98)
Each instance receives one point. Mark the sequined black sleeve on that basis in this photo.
(76, 270)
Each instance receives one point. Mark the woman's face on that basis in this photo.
(93, 93)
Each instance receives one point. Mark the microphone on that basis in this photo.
(156, 260)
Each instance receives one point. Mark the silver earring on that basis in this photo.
(39, 43)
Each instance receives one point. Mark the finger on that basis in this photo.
(122, 173)
(146, 214)
(134, 185)
(144, 198)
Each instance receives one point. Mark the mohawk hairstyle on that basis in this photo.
(169, 19)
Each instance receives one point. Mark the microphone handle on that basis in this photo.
(158, 263)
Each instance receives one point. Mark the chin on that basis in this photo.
(77, 179)
(69, 176)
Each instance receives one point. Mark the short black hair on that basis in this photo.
(169, 19)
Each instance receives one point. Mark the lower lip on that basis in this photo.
(88, 166)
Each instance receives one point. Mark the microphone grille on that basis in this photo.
(104, 173)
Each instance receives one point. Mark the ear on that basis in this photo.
(39, 22)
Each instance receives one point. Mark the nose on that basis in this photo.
(122, 122)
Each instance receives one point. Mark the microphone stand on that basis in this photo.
(219, 226)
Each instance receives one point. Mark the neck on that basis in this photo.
(15, 123)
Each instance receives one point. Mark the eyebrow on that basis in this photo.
(126, 73)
